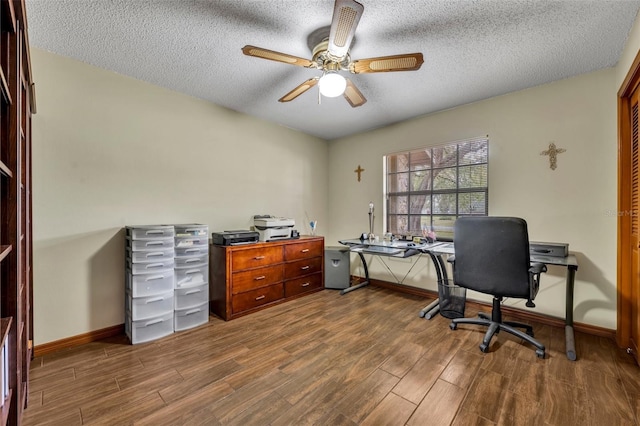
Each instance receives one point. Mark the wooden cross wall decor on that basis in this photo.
(359, 170)
(553, 152)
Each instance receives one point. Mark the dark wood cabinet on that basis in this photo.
(17, 105)
(244, 279)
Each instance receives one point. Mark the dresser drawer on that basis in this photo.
(254, 298)
(302, 267)
(255, 278)
(303, 250)
(255, 258)
(302, 285)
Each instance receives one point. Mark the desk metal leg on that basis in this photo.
(366, 277)
(433, 308)
(570, 344)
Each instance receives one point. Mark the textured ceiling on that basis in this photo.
(473, 50)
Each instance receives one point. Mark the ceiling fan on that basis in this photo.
(330, 54)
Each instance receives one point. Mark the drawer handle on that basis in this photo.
(154, 265)
(305, 251)
(193, 271)
(260, 297)
(147, 324)
(192, 250)
(155, 232)
(305, 284)
(155, 277)
(155, 253)
(258, 258)
(191, 312)
(154, 243)
(304, 268)
(193, 292)
(157, 299)
(194, 260)
(261, 277)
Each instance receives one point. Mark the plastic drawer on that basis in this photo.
(191, 261)
(150, 245)
(191, 276)
(188, 297)
(150, 232)
(192, 251)
(152, 267)
(191, 317)
(151, 328)
(149, 306)
(191, 241)
(149, 256)
(194, 229)
(150, 284)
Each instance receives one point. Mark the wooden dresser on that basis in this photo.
(246, 278)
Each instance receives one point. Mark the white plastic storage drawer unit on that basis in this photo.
(150, 306)
(191, 317)
(150, 329)
(149, 282)
(188, 297)
(192, 276)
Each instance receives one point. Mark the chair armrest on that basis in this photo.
(537, 268)
(451, 259)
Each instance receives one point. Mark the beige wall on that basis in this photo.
(575, 203)
(111, 151)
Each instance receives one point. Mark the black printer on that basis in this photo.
(234, 238)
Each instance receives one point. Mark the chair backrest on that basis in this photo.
(492, 255)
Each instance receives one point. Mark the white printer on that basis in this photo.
(273, 228)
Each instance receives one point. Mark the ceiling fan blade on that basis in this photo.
(406, 62)
(299, 90)
(259, 52)
(346, 15)
(353, 95)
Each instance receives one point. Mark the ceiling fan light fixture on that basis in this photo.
(332, 84)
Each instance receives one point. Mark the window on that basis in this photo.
(429, 188)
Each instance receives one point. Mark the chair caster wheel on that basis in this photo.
(484, 348)
(453, 325)
(540, 353)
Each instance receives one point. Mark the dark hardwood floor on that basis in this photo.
(362, 358)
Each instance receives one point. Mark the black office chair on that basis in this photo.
(492, 257)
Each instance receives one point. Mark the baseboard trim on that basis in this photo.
(517, 314)
(78, 340)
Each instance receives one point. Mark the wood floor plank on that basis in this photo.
(329, 359)
(439, 406)
(462, 368)
(393, 410)
(127, 412)
(417, 382)
(487, 394)
(363, 398)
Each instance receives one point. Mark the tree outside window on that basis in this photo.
(428, 188)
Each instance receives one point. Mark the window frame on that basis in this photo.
(446, 232)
